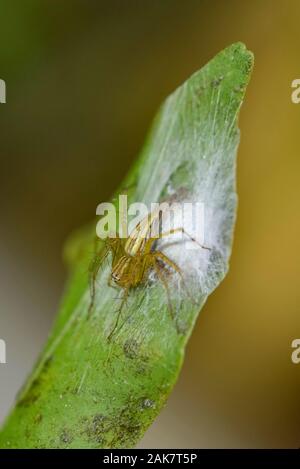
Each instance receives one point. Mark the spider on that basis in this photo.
(132, 260)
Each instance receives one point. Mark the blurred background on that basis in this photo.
(84, 80)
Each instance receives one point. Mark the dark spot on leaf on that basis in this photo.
(148, 404)
(65, 437)
(131, 348)
(216, 82)
(98, 428)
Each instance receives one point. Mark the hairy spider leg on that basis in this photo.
(119, 312)
(160, 255)
(182, 230)
(136, 263)
(173, 265)
(166, 286)
(96, 262)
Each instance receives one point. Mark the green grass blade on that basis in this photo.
(86, 392)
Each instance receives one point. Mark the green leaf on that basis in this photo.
(86, 391)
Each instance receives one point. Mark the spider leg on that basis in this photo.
(165, 284)
(182, 230)
(167, 260)
(113, 245)
(92, 253)
(119, 312)
(174, 266)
